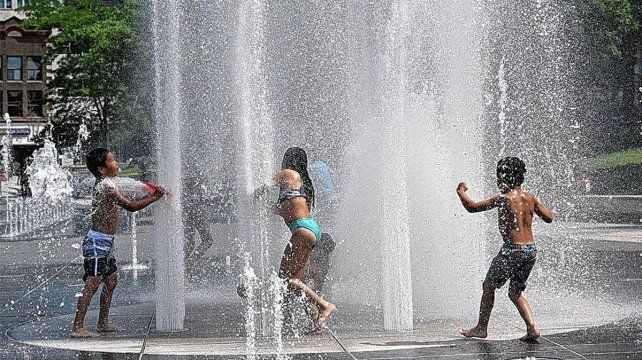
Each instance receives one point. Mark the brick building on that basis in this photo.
(23, 78)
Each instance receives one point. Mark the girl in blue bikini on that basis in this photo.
(296, 198)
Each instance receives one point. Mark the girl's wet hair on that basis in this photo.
(510, 171)
(95, 158)
(296, 159)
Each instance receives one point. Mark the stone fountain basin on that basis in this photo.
(218, 329)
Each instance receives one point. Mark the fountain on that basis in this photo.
(397, 297)
(7, 143)
(83, 135)
(378, 96)
(170, 305)
(6, 169)
(400, 100)
(50, 186)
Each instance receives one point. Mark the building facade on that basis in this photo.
(23, 79)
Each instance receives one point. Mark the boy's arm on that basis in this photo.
(134, 205)
(475, 206)
(543, 212)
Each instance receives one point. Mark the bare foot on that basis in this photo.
(107, 328)
(474, 332)
(531, 336)
(323, 317)
(313, 329)
(83, 333)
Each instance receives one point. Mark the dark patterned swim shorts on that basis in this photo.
(103, 267)
(514, 263)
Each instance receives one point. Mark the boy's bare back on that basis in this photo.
(515, 216)
(515, 212)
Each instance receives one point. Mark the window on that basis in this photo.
(34, 68)
(14, 103)
(13, 4)
(14, 68)
(34, 105)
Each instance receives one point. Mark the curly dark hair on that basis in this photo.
(510, 171)
(95, 158)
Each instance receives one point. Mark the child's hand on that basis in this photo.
(257, 194)
(160, 192)
(462, 186)
(255, 197)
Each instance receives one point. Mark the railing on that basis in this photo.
(25, 215)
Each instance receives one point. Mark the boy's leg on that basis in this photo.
(485, 308)
(105, 303)
(497, 275)
(517, 286)
(91, 285)
(206, 238)
(525, 311)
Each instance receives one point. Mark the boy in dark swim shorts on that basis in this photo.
(97, 247)
(514, 263)
(517, 256)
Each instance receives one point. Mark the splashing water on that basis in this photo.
(51, 191)
(7, 155)
(83, 135)
(277, 291)
(169, 255)
(129, 187)
(47, 178)
(503, 97)
(249, 283)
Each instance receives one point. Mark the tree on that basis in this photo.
(91, 47)
(620, 23)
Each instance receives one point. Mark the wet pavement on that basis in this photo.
(39, 279)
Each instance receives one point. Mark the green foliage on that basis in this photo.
(132, 172)
(93, 45)
(617, 159)
(619, 21)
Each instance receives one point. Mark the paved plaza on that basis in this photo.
(40, 278)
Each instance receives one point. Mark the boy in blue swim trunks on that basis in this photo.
(518, 254)
(99, 262)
